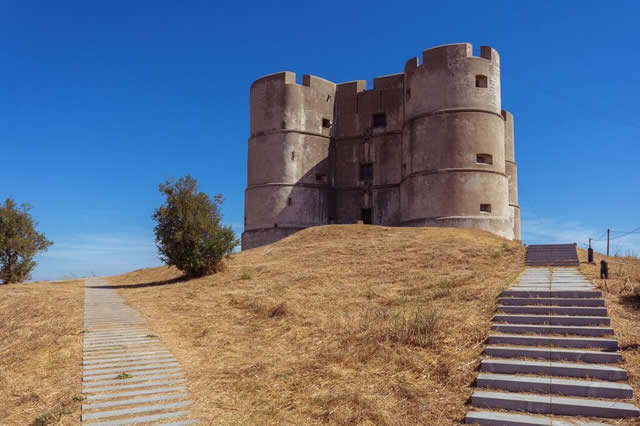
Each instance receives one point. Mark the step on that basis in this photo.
(532, 292)
(552, 329)
(546, 404)
(496, 418)
(546, 301)
(554, 310)
(146, 419)
(93, 361)
(133, 401)
(567, 387)
(561, 369)
(563, 342)
(553, 354)
(134, 410)
(542, 262)
(138, 392)
(551, 319)
(139, 385)
(126, 364)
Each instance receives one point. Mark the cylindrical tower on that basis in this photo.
(453, 143)
(511, 170)
(288, 171)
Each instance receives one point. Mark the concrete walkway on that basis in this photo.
(551, 357)
(128, 376)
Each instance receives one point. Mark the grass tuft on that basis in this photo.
(123, 376)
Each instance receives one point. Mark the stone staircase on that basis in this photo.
(551, 356)
(552, 255)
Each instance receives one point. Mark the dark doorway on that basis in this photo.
(365, 216)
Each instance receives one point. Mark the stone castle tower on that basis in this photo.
(427, 147)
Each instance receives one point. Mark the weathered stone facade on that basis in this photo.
(427, 147)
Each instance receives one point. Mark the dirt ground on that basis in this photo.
(41, 353)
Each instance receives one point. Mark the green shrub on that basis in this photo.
(19, 242)
(189, 232)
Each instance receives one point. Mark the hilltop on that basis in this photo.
(340, 324)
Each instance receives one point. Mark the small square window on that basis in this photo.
(326, 123)
(484, 159)
(379, 120)
(485, 208)
(482, 81)
(321, 177)
(366, 172)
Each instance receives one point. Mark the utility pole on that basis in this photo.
(608, 233)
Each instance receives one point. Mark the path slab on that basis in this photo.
(561, 369)
(564, 342)
(567, 387)
(117, 340)
(545, 404)
(553, 354)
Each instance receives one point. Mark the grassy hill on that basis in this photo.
(41, 353)
(345, 324)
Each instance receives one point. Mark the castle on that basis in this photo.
(427, 147)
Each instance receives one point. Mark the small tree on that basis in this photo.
(189, 233)
(19, 242)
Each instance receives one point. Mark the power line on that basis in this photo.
(627, 233)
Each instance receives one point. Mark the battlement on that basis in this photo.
(391, 81)
(351, 87)
(283, 77)
(289, 78)
(451, 53)
(278, 102)
(508, 117)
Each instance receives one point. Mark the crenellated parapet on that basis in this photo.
(449, 78)
(278, 103)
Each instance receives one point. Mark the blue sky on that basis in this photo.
(102, 101)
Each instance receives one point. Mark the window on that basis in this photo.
(320, 177)
(409, 93)
(484, 159)
(482, 81)
(379, 120)
(485, 208)
(289, 201)
(293, 155)
(366, 171)
(365, 216)
(326, 123)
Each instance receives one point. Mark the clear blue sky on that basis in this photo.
(102, 101)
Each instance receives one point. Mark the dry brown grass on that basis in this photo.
(622, 295)
(349, 324)
(40, 353)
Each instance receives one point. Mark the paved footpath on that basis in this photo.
(551, 357)
(128, 376)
